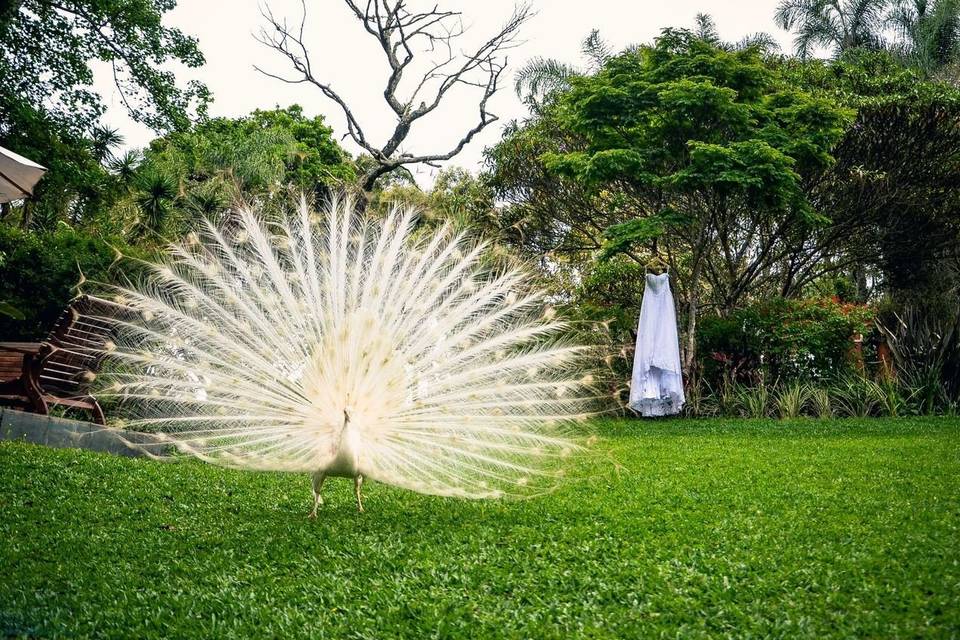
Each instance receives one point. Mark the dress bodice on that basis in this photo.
(658, 282)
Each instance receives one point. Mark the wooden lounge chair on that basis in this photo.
(59, 371)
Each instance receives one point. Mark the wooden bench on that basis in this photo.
(59, 371)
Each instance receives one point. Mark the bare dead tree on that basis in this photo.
(403, 34)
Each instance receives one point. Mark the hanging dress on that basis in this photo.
(656, 387)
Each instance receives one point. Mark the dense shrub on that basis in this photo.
(780, 340)
(39, 272)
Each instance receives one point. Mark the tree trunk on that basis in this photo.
(27, 215)
(860, 280)
(689, 355)
(369, 181)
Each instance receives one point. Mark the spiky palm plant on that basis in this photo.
(124, 166)
(103, 140)
(926, 342)
(926, 391)
(155, 194)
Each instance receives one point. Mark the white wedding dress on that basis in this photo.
(656, 387)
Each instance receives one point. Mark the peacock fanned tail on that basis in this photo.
(254, 339)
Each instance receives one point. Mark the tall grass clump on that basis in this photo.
(821, 402)
(892, 397)
(755, 401)
(791, 399)
(854, 396)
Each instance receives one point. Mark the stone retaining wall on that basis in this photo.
(61, 432)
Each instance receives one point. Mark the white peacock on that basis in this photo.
(344, 345)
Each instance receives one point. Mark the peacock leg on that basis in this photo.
(357, 484)
(318, 479)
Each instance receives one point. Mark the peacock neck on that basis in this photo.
(345, 462)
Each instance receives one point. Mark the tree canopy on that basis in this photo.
(203, 170)
(709, 143)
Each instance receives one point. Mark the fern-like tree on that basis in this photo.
(540, 76)
(928, 34)
(836, 25)
(924, 34)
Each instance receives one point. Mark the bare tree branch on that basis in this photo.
(402, 34)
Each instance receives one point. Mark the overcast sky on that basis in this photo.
(349, 58)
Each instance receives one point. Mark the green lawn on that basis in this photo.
(673, 528)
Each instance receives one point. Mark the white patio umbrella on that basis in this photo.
(17, 176)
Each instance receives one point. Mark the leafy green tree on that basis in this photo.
(50, 47)
(256, 152)
(707, 144)
(40, 270)
(457, 197)
(465, 200)
(315, 162)
(550, 219)
(892, 192)
(606, 299)
(540, 77)
(50, 113)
